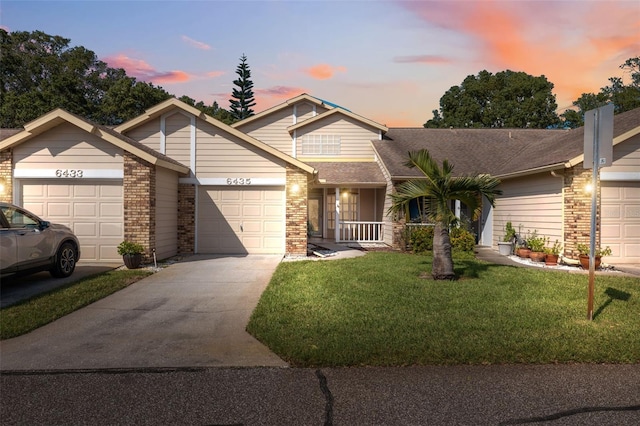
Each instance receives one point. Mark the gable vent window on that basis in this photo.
(320, 144)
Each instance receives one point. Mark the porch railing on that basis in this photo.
(360, 232)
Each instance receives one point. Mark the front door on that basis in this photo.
(314, 212)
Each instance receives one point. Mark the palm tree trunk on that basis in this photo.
(442, 267)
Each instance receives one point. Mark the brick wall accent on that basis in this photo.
(140, 203)
(6, 175)
(296, 212)
(577, 210)
(186, 218)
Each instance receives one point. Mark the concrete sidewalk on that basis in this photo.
(190, 314)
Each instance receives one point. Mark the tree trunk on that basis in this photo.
(442, 268)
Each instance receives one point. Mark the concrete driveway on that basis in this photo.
(190, 314)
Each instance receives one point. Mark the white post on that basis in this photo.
(337, 230)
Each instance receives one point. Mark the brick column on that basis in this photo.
(186, 218)
(6, 175)
(577, 210)
(140, 203)
(296, 212)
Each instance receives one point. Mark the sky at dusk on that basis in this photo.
(389, 61)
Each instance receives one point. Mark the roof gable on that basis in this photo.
(288, 103)
(60, 116)
(338, 111)
(174, 104)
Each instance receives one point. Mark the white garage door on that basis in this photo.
(92, 209)
(621, 221)
(241, 220)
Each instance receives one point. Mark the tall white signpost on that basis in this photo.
(598, 153)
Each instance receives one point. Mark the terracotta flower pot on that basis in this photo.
(551, 259)
(524, 252)
(537, 256)
(584, 261)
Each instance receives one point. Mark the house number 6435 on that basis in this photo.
(69, 173)
(238, 181)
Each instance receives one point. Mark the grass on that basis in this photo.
(377, 310)
(30, 314)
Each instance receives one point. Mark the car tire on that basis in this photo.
(65, 261)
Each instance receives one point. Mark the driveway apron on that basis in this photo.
(190, 314)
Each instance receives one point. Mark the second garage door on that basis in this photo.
(244, 220)
(621, 221)
(92, 209)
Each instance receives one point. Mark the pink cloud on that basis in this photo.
(323, 71)
(143, 71)
(197, 44)
(214, 74)
(423, 59)
(280, 92)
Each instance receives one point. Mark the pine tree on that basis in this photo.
(242, 95)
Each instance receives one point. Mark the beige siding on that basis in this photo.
(221, 155)
(368, 205)
(355, 138)
(166, 213)
(626, 156)
(530, 203)
(67, 147)
(147, 134)
(272, 129)
(178, 137)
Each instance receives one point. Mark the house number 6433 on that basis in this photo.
(238, 181)
(69, 173)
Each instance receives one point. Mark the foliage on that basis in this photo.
(585, 249)
(380, 310)
(462, 239)
(421, 239)
(536, 242)
(439, 186)
(129, 247)
(506, 99)
(214, 110)
(509, 232)
(554, 249)
(242, 96)
(40, 72)
(624, 97)
(42, 309)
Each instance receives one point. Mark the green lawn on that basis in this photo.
(42, 309)
(380, 310)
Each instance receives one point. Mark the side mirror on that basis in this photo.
(44, 224)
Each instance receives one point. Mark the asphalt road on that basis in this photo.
(461, 395)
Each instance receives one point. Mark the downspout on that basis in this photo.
(561, 177)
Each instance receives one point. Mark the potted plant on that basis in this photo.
(131, 253)
(521, 244)
(552, 253)
(584, 251)
(505, 247)
(536, 245)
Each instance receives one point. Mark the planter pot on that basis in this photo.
(584, 261)
(524, 252)
(132, 261)
(551, 259)
(505, 248)
(537, 256)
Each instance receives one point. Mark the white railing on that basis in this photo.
(360, 231)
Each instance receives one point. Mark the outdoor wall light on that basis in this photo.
(2, 185)
(588, 188)
(295, 188)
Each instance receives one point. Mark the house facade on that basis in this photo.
(180, 182)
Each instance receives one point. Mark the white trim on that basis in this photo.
(163, 135)
(86, 173)
(193, 144)
(294, 144)
(224, 182)
(295, 114)
(608, 176)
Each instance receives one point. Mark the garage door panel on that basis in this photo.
(248, 220)
(620, 206)
(93, 209)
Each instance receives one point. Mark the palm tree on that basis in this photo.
(439, 187)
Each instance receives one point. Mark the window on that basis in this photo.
(320, 144)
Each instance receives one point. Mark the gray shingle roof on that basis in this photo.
(349, 173)
(494, 151)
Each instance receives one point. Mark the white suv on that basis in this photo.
(30, 244)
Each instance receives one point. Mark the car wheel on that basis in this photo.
(65, 261)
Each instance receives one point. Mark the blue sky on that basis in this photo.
(389, 61)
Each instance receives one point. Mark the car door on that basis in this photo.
(8, 247)
(32, 241)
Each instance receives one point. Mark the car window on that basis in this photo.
(18, 219)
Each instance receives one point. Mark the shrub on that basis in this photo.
(129, 247)
(421, 239)
(462, 240)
